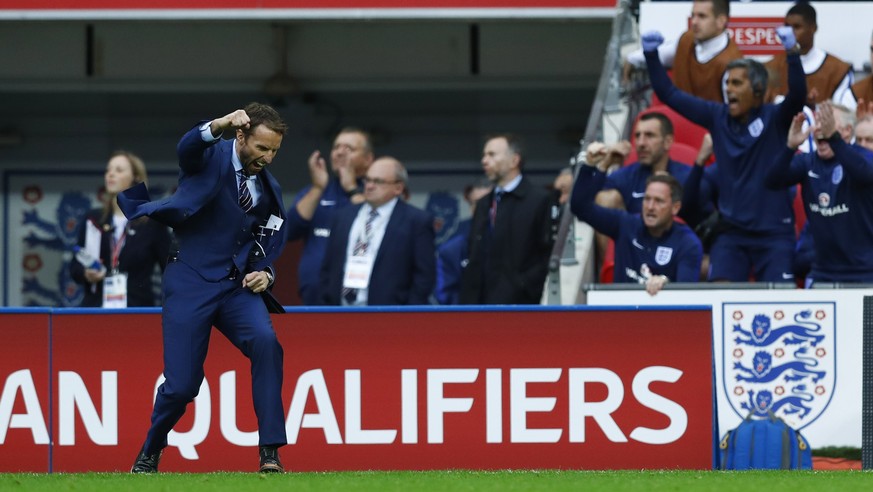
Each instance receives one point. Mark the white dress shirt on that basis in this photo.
(377, 232)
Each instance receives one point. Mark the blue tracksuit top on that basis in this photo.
(630, 181)
(315, 233)
(838, 199)
(744, 151)
(676, 254)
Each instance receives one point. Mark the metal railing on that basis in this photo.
(607, 99)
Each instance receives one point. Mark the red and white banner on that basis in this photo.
(25, 402)
(566, 389)
(756, 35)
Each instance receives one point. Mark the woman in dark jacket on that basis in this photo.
(128, 251)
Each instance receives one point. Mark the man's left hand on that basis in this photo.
(651, 40)
(256, 281)
(655, 283)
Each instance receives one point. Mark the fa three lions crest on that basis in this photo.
(779, 358)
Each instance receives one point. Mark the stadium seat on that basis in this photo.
(799, 212)
(607, 270)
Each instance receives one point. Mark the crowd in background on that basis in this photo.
(724, 210)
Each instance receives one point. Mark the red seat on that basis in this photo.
(799, 212)
(607, 271)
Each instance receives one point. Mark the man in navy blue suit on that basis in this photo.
(227, 213)
(382, 251)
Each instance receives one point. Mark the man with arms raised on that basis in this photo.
(746, 133)
(837, 192)
(650, 248)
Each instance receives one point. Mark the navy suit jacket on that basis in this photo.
(404, 269)
(213, 232)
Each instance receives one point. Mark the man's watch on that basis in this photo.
(269, 278)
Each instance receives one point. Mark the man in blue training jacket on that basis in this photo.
(314, 208)
(650, 248)
(758, 222)
(837, 184)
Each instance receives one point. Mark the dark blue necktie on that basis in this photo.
(245, 197)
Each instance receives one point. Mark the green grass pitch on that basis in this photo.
(454, 481)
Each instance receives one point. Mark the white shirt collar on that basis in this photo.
(709, 49)
(384, 210)
(509, 186)
(237, 165)
(813, 60)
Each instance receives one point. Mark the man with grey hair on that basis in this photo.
(864, 132)
(837, 180)
(381, 252)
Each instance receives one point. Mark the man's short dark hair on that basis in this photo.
(669, 180)
(513, 141)
(755, 71)
(262, 114)
(719, 7)
(805, 11)
(666, 124)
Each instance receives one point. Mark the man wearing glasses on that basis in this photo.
(380, 252)
(316, 205)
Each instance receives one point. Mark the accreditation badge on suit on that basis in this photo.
(358, 269)
(115, 290)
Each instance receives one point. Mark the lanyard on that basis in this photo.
(116, 248)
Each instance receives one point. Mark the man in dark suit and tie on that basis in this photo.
(382, 251)
(511, 233)
(227, 214)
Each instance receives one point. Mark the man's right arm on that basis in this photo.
(307, 203)
(605, 220)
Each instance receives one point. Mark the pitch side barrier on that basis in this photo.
(501, 387)
(804, 354)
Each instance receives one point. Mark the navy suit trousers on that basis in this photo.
(192, 306)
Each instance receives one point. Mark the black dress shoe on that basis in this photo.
(270, 460)
(146, 463)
